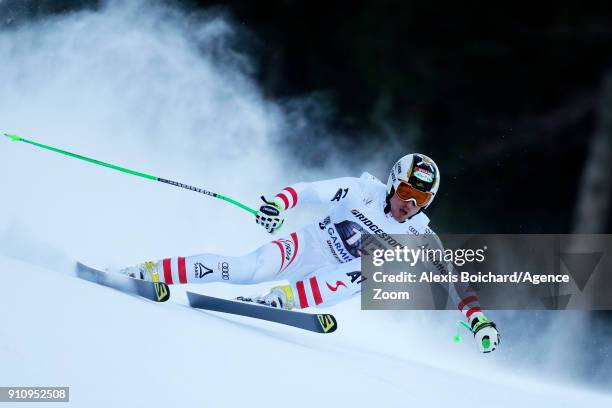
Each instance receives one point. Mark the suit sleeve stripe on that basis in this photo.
(466, 301)
(284, 198)
(294, 196)
(472, 311)
(182, 270)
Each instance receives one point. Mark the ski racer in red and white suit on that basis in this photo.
(320, 261)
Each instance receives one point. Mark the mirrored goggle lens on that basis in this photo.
(406, 192)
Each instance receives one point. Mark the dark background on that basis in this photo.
(511, 102)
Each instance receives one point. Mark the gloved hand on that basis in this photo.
(268, 216)
(485, 333)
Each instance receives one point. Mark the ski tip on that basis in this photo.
(328, 323)
(13, 137)
(162, 291)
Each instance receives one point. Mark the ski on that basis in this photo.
(155, 291)
(319, 323)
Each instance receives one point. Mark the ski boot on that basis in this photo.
(148, 271)
(279, 296)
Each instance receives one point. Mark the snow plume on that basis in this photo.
(151, 88)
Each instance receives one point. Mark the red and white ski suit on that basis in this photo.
(321, 261)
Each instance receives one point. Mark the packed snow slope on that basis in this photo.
(117, 350)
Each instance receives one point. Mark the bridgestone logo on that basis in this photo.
(374, 228)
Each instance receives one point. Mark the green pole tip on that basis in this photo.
(14, 138)
(457, 339)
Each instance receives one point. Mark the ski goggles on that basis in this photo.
(406, 192)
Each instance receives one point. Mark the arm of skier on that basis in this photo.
(317, 192)
(463, 296)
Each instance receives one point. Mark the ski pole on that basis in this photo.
(16, 138)
(459, 325)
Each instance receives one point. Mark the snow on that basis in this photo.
(114, 349)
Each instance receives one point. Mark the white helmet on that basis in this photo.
(416, 170)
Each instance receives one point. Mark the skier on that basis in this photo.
(321, 261)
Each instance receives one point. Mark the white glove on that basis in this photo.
(485, 333)
(268, 216)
